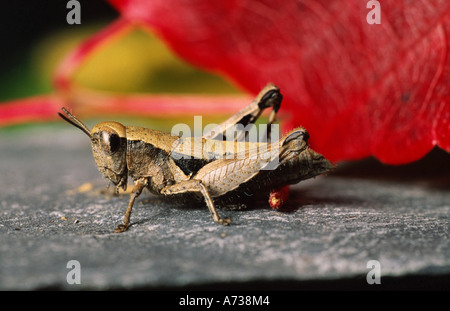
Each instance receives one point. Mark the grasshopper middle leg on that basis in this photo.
(194, 185)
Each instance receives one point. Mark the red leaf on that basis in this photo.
(42, 108)
(359, 89)
(45, 107)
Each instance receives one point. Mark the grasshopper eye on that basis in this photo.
(111, 141)
(114, 142)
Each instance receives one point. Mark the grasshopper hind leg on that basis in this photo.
(269, 97)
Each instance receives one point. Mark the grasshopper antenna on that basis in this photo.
(74, 121)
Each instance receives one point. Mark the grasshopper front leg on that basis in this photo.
(137, 189)
(194, 185)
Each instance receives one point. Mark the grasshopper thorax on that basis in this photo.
(109, 147)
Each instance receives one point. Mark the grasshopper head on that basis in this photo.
(109, 146)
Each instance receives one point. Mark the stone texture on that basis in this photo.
(332, 227)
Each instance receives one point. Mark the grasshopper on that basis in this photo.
(171, 165)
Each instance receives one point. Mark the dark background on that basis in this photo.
(24, 22)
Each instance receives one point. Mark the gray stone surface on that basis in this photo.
(333, 226)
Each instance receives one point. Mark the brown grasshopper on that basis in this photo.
(220, 169)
